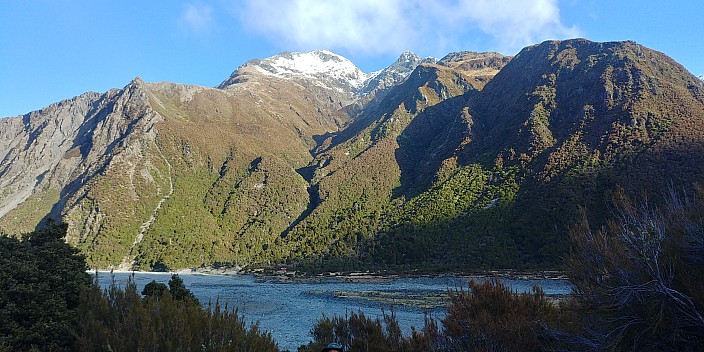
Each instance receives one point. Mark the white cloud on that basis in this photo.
(197, 18)
(514, 23)
(360, 25)
(390, 26)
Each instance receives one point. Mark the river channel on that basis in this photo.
(290, 309)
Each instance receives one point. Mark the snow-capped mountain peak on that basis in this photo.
(314, 64)
(394, 74)
(328, 71)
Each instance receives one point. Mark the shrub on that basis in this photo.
(154, 289)
(639, 280)
(118, 319)
(356, 332)
(41, 278)
(489, 317)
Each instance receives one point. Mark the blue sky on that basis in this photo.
(52, 49)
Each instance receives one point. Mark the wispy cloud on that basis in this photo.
(513, 23)
(197, 18)
(390, 26)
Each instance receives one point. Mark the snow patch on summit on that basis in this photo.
(313, 64)
(322, 69)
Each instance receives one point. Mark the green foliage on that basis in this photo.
(41, 279)
(238, 212)
(117, 202)
(178, 290)
(351, 201)
(26, 216)
(154, 289)
(118, 319)
(169, 241)
(453, 224)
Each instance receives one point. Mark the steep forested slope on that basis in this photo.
(559, 129)
(474, 160)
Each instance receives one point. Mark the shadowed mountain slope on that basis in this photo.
(563, 126)
(474, 160)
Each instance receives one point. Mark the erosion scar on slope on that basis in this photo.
(129, 260)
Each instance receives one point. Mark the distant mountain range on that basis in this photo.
(475, 160)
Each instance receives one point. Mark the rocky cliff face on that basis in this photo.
(393, 75)
(56, 151)
(34, 145)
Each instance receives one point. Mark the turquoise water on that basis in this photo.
(289, 310)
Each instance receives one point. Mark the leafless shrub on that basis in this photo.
(639, 280)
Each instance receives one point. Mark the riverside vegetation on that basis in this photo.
(637, 286)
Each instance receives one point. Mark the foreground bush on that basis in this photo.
(356, 332)
(119, 319)
(41, 278)
(489, 317)
(640, 280)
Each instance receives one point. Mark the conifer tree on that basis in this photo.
(41, 278)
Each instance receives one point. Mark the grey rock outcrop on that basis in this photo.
(393, 75)
(62, 147)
